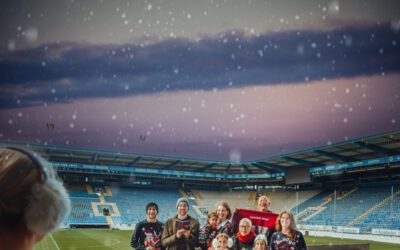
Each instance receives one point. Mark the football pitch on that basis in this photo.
(119, 240)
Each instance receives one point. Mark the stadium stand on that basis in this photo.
(350, 205)
(364, 207)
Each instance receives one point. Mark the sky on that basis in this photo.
(228, 80)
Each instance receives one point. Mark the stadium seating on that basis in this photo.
(353, 204)
(363, 207)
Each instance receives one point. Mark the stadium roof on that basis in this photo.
(367, 148)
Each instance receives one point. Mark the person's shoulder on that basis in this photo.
(276, 234)
(170, 220)
(141, 223)
(193, 220)
(297, 233)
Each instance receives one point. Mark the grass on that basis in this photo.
(120, 240)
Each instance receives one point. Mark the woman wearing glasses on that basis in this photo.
(244, 239)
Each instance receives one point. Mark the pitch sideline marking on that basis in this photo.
(51, 237)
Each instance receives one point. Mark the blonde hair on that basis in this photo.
(18, 174)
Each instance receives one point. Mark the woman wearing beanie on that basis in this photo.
(181, 232)
(260, 242)
(244, 239)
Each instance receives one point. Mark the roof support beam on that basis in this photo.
(203, 169)
(268, 167)
(94, 158)
(135, 160)
(228, 168)
(302, 162)
(376, 148)
(335, 156)
(246, 168)
(172, 164)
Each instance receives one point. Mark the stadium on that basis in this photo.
(134, 102)
(342, 194)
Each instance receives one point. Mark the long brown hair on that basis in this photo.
(226, 206)
(292, 227)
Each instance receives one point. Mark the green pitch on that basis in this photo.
(119, 240)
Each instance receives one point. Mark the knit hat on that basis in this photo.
(182, 199)
(261, 237)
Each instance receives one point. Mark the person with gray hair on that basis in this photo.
(181, 232)
(33, 201)
(244, 239)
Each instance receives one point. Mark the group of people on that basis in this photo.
(183, 232)
(33, 202)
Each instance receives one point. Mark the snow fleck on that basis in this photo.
(395, 25)
(333, 8)
(31, 34)
(235, 155)
(11, 45)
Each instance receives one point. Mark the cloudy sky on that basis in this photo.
(219, 80)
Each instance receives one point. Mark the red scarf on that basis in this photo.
(246, 238)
